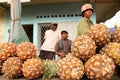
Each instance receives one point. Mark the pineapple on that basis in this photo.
(70, 68)
(99, 67)
(113, 50)
(32, 68)
(50, 69)
(1, 64)
(12, 67)
(26, 50)
(115, 35)
(83, 47)
(7, 49)
(100, 34)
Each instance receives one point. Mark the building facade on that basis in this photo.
(37, 18)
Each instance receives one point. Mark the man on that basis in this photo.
(85, 22)
(63, 46)
(51, 37)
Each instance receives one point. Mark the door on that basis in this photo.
(29, 31)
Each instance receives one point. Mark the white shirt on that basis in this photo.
(114, 21)
(51, 38)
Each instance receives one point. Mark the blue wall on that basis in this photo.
(33, 14)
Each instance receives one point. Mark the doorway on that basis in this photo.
(29, 31)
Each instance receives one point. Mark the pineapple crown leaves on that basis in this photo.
(38, 57)
(50, 69)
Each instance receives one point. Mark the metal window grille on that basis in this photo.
(41, 33)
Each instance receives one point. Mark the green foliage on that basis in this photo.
(50, 69)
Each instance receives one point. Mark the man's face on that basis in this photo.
(53, 28)
(88, 13)
(64, 36)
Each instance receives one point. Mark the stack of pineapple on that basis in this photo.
(102, 66)
(21, 59)
(15, 60)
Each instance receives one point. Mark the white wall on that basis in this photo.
(71, 27)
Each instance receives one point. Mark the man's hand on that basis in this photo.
(62, 54)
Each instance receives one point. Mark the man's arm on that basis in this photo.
(82, 28)
(61, 54)
(57, 51)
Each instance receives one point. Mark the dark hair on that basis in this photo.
(64, 32)
(54, 24)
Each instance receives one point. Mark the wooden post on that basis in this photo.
(11, 2)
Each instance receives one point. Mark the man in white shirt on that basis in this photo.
(51, 37)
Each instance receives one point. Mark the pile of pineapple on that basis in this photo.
(95, 55)
(22, 61)
(16, 61)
